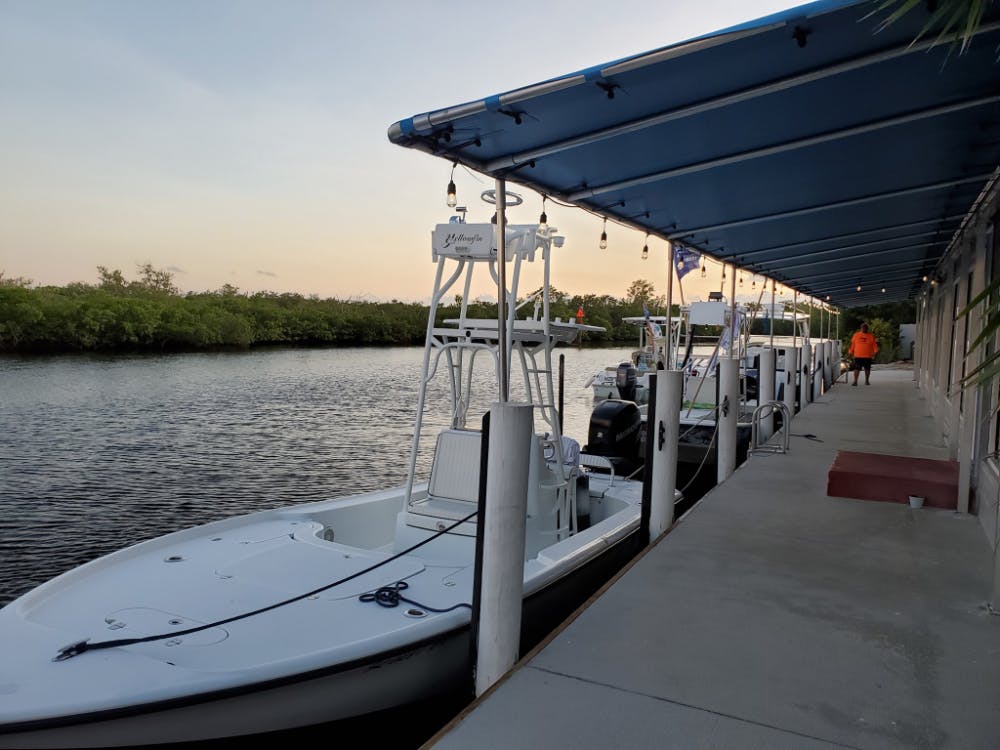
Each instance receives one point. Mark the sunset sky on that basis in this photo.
(244, 141)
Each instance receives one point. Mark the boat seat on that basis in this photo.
(455, 471)
(453, 488)
(591, 461)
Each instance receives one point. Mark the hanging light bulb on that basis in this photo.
(604, 235)
(925, 277)
(452, 199)
(883, 289)
(543, 220)
(704, 271)
(645, 248)
(828, 298)
(859, 286)
(723, 271)
(741, 279)
(753, 283)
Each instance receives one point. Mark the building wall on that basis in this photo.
(946, 329)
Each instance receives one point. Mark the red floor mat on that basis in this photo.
(892, 479)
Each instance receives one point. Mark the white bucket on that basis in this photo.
(916, 501)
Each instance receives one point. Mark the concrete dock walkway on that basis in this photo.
(774, 616)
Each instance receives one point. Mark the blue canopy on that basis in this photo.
(808, 146)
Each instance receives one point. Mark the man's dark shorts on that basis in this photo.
(862, 363)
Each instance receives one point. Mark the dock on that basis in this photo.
(773, 615)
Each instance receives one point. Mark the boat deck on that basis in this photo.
(775, 616)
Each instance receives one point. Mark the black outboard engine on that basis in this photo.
(615, 433)
(625, 380)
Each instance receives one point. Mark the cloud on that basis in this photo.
(267, 273)
(175, 269)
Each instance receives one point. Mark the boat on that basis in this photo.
(341, 608)
(704, 333)
(745, 339)
(630, 380)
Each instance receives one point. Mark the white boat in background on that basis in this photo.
(706, 332)
(618, 380)
(698, 415)
(288, 617)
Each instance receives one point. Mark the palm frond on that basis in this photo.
(954, 20)
(984, 372)
(992, 287)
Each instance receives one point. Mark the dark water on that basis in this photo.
(97, 453)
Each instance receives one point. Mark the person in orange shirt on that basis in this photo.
(863, 348)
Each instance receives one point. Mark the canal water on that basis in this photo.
(101, 452)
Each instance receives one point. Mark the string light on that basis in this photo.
(604, 234)
(543, 220)
(452, 199)
(645, 248)
(883, 288)
(859, 286)
(704, 270)
(741, 279)
(753, 282)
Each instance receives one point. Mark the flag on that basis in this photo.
(685, 260)
(653, 328)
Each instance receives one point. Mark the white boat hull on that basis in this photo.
(344, 692)
(606, 390)
(279, 670)
(304, 700)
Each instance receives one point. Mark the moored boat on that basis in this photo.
(630, 380)
(335, 609)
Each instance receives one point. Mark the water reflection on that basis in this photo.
(97, 453)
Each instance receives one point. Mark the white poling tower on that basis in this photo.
(462, 251)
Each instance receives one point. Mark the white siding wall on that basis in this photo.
(969, 422)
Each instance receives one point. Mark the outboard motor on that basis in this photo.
(615, 433)
(625, 380)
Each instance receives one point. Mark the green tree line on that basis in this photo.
(150, 314)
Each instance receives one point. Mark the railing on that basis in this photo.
(786, 424)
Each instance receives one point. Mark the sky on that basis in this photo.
(244, 142)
